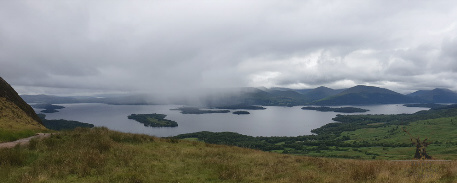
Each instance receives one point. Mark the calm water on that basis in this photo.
(274, 121)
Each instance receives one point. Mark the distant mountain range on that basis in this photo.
(357, 95)
(112, 99)
(321, 93)
(438, 95)
(361, 95)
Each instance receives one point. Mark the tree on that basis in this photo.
(421, 146)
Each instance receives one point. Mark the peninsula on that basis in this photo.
(336, 109)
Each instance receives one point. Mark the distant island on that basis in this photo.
(62, 124)
(195, 110)
(241, 112)
(334, 109)
(242, 106)
(48, 108)
(427, 105)
(153, 120)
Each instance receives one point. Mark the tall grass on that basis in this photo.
(8, 136)
(101, 155)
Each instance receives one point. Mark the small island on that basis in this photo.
(242, 106)
(48, 108)
(340, 109)
(425, 105)
(153, 120)
(241, 112)
(195, 110)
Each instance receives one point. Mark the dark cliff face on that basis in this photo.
(7, 92)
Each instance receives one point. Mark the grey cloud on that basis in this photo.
(162, 46)
(448, 59)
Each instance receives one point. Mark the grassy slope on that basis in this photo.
(15, 123)
(100, 155)
(442, 132)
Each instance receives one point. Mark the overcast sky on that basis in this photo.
(166, 46)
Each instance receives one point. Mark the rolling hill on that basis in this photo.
(364, 95)
(320, 93)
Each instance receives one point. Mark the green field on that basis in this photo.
(441, 132)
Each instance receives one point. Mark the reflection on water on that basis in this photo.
(274, 121)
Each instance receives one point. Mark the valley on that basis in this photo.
(370, 140)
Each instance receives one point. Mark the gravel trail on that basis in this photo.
(23, 141)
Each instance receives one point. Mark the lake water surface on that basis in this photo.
(274, 121)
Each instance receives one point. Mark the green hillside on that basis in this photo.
(101, 155)
(17, 118)
(7, 92)
(15, 123)
(441, 133)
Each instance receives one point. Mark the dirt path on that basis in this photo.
(23, 141)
